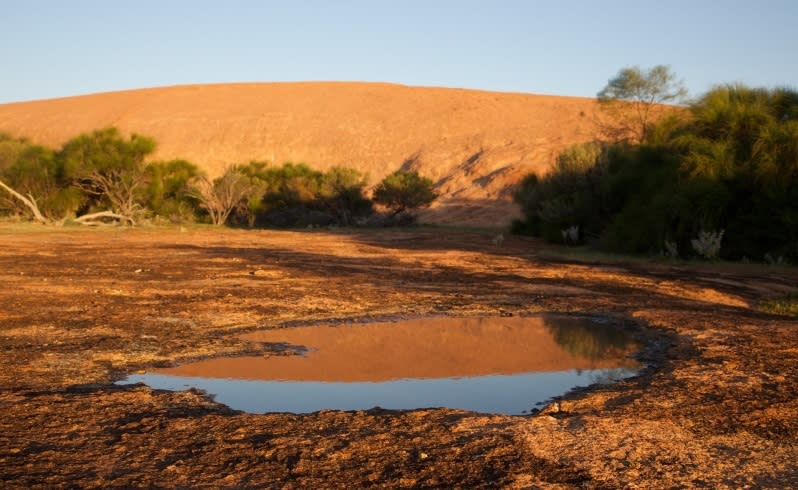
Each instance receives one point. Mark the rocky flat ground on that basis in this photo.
(79, 309)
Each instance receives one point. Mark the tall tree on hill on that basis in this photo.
(630, 98)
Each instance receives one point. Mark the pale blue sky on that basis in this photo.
(568, 47)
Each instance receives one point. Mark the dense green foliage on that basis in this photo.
(342, 194)
(732, 167)
(108, 168)
(34, 170)
(567, 197)
(104, 172)
(168, 189)
(404, 190)
(297, 195)
(91, 172)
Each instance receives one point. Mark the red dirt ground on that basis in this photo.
(80, 308)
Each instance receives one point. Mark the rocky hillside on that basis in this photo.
(475, 145)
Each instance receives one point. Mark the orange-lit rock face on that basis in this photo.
(475, 145)
(426, 348)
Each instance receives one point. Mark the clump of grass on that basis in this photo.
(784, 305)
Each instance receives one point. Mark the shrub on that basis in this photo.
(34, 171)
(168, 190)
(404, 191)
(567, 196)
(278, 196)
(707, 245)
(671, 249)
(342, 194)
(297, 195)
(733, 165)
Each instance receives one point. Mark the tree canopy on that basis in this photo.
(630, 97)
(103, 175)
(727, 173)
(109, 169)
(404, 190)
(93, 172)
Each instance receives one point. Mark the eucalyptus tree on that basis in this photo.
(630, 99)
(109, 169)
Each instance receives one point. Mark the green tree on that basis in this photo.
(728, 170)
(403, 191)
(295, 194)
(252, 206)
(630, 98)
(109, 169)
(292, 196)
(743, 142)
(31, 178)
(292, 184)
(10, 148)
(570, 195)
(342, 194)
(168, 190)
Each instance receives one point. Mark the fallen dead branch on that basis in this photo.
(28, 201)
(92, 219)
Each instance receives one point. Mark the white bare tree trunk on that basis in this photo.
(221, 196)
(29, 202)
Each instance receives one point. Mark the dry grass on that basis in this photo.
(786, 305)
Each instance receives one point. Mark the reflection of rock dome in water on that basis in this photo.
(484, 364)
(426, 348)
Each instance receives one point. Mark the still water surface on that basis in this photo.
(492, 365)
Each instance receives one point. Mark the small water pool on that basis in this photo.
(491, 365)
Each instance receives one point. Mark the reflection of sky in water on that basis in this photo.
(510, 394)
(490, 365)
